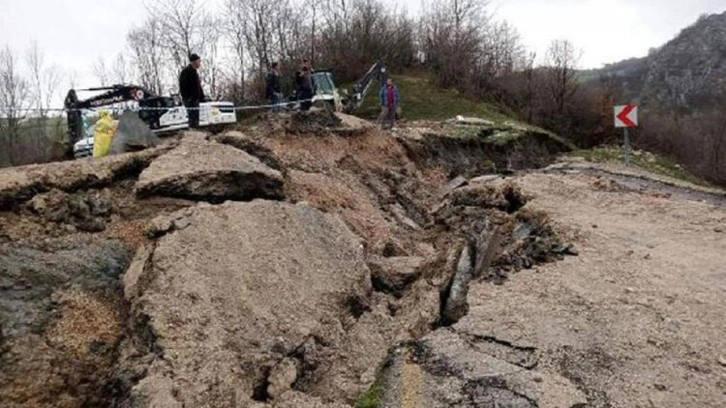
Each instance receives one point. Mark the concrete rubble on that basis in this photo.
(200, 169)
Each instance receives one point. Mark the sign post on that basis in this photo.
(626, 117)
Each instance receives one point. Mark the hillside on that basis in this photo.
(299, 263)
(690, 70)
(630, 75)
(680, 89)
(687, 72)
(422, 100)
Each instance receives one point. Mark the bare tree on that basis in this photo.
(530, 89)
(236, 35)
(36, 61)
(146, 45)
(717, 135)
(336, 13)
(187, 27)
(15, 99)
(100, 71)
(43, 87)
(121, 70)
(51, 82)
(314, 6)
(259, 35)
(454, 37)
(355, 34)
(73, 79)
(290, 34)
(561, 61)
(180, 22)
(211, 36)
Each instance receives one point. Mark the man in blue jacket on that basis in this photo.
(389, 104)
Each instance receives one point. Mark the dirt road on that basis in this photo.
(637, 320)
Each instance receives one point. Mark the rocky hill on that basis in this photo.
(304, 262)
(681, 90)
(690, 70)
(687, 72)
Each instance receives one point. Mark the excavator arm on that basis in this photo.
(109, 96)
(362, 86)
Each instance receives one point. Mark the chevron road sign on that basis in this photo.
(626, 116)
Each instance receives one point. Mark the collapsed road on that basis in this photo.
(302, 263)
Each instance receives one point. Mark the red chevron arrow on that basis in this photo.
(623, 116)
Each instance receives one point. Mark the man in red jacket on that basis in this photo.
(389, 103)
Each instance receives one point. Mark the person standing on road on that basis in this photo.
(190, 88)
(305, 86)
(274, 87)
(389, 104)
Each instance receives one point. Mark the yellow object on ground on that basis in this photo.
(102, 136)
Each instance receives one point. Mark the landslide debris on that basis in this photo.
(471, 147)
(202, 170)
(451, 369)
(482, 209)
(61, 319)
(267, 303)
(19, 184)
(239, 292)
(86, 211)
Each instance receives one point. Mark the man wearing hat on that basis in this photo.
(190, 88)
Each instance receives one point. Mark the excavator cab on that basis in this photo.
(326, 91)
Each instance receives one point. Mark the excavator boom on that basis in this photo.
(362, 86)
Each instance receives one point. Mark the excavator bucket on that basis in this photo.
(132, 134)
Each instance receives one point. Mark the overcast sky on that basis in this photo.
(75, 33)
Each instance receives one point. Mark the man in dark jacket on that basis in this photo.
(273, 87)
(190, 88)
(305, 86)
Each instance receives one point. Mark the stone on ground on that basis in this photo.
(132, 134)
(396, 273)
(246, 297)
(202, 170)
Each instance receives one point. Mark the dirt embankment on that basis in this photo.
(300, 262)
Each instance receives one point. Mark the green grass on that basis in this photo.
(503, 133)
(650, 162)
(372, 397)
(421, 99)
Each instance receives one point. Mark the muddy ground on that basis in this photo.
(537, 290)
